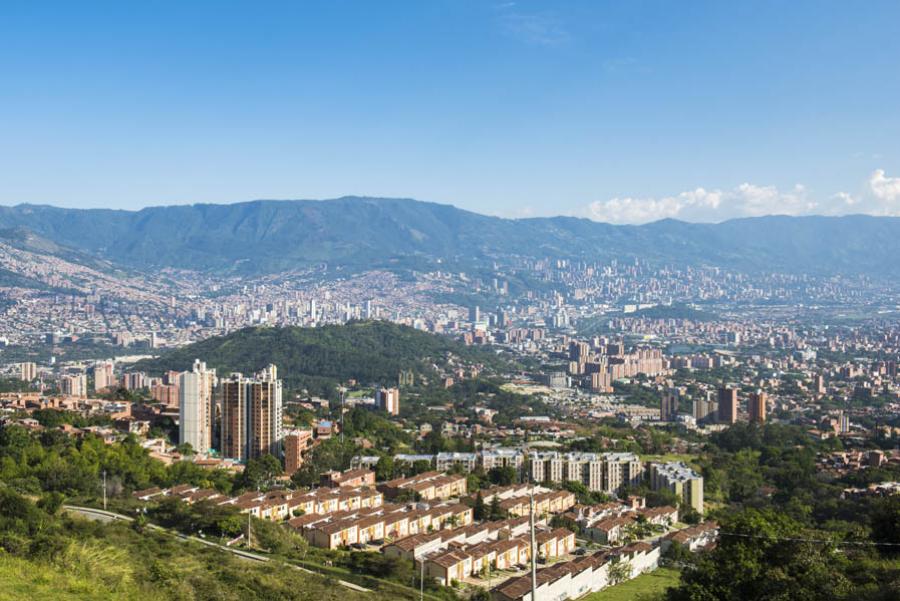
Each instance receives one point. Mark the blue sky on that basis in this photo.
(617, 111)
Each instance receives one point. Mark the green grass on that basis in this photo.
(645, 586)
(667, 457)
(23, 579)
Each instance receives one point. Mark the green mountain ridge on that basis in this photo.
(371, 352)
(268, 236)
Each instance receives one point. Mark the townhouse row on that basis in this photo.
(376, 525)
(462, 561)
(427, 486)
(276, 505)
(417, 546)
(583, 575)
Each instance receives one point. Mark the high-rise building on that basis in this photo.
(728, 405)
(27, 371)
(104, 375)
(252, 415)
(819, 384)
(680, 479)
(73, 385)
(668, 404)
(756, 406)
(167, 394)
(703, 408)
(295, 443)
(475, 314)
(196, 408)
(388, 399)
(134, 380)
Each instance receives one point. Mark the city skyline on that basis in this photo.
(624, 114)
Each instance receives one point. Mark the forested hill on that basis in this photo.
(362, 233)
(371, 352)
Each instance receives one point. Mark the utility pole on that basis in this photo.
(342, 415)
(104, 490)
(422, 579)
(249, 518)
(533, 550)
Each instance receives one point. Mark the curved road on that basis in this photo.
(108, 516)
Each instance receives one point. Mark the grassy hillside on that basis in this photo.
(46, 554)
(371, 352)
(23, 579)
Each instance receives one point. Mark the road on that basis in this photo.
(108, 516)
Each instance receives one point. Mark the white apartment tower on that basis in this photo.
(196, 407)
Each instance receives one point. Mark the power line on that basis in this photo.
(810, 540)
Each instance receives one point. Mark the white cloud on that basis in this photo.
(700, 204)
(880, 197)
(884, 188)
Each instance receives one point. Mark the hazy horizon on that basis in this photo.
(619, 113)
(425, 201)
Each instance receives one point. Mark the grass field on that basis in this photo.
(670, 457)
(645, 586)
(22, 579)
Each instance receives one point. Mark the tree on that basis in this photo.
(503, 476)
(759, 558)
(479, 510)
(886, 524)
(496, 512)
(384, 469)
(52, 502)
(620, 571)
(259, 472)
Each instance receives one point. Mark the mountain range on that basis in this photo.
(268, 236)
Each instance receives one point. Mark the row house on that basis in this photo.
(610, 530)
(415, 546)
(508, 492)
(418, 545)
(694, 538)
(427, 486)
(660, 516)
(576, 578)
(551, 502)
(368, 525)
(277, 505)
(350, 478)
(463, 561)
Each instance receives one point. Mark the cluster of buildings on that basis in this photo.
(247, 412)
(602, 472)
(610, 473)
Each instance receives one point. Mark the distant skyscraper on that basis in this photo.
(27, 371)
(475, 314)
(252, 415)
(388, 399)
(702, 408)
(195, 407)
(819, 384)
(728, 405)
(134, 380)
(104, 376)
(668, 404)
(73, 385)
(756, 406)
